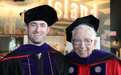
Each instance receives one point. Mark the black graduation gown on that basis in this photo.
(13, 64)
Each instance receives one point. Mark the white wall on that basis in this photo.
(25, 39)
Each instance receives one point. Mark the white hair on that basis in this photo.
(85, 26)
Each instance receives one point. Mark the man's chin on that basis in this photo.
(36, 42)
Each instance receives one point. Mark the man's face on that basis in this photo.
(83, 43)
(37, 31)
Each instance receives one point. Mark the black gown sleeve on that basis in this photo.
(61, 64)
(11, 67)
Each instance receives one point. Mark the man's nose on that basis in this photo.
(38, 28)
(82, 44)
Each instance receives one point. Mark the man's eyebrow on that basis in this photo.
(76, 37)
(42, 24)
(87, 38)
(32, 23)
(79, 38)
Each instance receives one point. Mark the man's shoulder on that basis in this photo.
(56, 52)
(70, 54)
(7, 61)
(12, 64)
(104, 56)
(11, 57)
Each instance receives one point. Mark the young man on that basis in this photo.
(85, 60)
(36, 57)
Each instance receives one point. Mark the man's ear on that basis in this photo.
(95, 42)
(26, 27)
(48, 29)
(72, 41)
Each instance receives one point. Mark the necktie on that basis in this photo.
(39, 55)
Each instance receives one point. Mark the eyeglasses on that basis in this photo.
(86, 41)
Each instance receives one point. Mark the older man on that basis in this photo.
(85, 60)
(36, 57)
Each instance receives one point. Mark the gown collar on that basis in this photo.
(94, 56)
(29, 48)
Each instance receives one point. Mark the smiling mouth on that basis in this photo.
(37, 35)
(82, 51)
